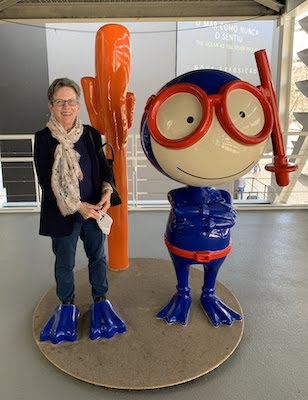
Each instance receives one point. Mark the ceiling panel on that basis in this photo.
(138, 10)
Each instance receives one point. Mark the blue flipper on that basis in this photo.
(217, 311)
(177, 310)
(62, 325)
(104, 322)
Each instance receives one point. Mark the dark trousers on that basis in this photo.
(64, 248)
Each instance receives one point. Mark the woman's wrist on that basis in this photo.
(106, 186)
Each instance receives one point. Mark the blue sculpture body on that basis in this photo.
(198, 232)
(206, 128)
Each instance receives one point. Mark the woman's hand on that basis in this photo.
(104, 203)
(88, 210)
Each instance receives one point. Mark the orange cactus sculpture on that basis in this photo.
(111, 110)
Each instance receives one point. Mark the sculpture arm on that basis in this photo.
(130, 106)
(88, 86)
(222, 212)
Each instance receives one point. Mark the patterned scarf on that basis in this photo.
(66, 171)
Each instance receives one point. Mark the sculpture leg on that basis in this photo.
(217, 311)
(177, 310)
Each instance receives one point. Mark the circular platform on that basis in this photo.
(152, 354)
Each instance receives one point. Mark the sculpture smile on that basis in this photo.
(210, 179)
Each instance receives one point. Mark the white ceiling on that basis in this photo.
(141, 10)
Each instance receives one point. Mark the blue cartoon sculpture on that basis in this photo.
(205, 128)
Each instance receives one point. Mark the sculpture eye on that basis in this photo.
(179, 116)
(245, 112)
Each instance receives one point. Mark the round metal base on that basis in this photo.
(152, 354)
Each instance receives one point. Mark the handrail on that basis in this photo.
(33, 206)
(137, 200)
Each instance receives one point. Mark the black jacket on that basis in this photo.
(52, 222)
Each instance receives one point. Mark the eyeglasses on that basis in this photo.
(208, 102)
(61, 103)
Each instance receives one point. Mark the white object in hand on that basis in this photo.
(105, 223)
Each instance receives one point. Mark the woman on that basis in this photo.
(76, 190)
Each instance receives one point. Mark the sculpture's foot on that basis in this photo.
(177, 309)
(104, 322)
(217, 311)
(62, 325)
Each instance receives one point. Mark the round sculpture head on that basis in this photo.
(206, 127)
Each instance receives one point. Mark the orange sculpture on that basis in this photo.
(111, 108)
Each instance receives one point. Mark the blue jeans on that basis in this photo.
(64, 248)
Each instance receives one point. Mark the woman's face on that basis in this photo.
(65, 114)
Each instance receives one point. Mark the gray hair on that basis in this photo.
(62, 82)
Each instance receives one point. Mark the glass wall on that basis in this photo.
(297, 142)
(161, 51)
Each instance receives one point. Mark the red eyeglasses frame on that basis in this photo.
(219, 102)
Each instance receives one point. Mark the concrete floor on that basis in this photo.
(266, 271)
